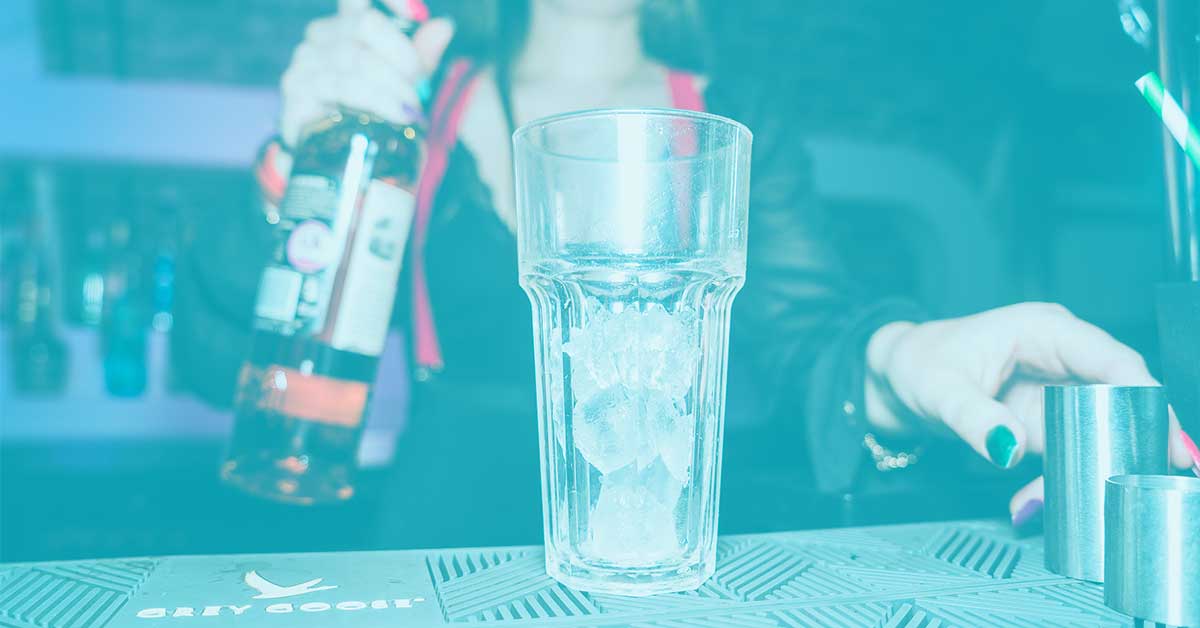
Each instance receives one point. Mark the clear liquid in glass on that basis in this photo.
(631, 356)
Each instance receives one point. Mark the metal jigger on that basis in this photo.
(1152, 548)
(1093, 433)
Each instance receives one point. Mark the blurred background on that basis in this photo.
(994, 152)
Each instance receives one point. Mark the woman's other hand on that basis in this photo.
(981, 377)
(359, 58)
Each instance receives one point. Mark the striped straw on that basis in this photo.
(1171, 114)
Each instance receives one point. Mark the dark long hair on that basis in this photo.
(673, 32)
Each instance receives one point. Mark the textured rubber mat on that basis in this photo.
(912, 576)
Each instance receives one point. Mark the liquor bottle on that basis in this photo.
(322, 310)
(86, 250)
(37, 355)
(12, 240)
(125, 319)
(85, 278)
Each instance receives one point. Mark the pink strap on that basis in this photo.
(272, 183)
(443, 135)
(684, 94)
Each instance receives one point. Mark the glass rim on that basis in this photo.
(1065, 387)
(520, 136)
(1170, 483)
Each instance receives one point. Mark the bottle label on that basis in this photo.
(305, 290)
(293, 290)
(278, 294)
(287, 391)
(369, 288)
(310, 248)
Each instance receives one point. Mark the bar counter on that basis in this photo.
(966, 573)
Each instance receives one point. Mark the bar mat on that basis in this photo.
(971, 573)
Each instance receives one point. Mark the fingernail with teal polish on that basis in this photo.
(1001, 446)
(424, 90)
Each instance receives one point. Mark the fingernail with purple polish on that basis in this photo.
(414, 115)
(1026, 512)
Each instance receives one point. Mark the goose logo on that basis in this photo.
(268, 590)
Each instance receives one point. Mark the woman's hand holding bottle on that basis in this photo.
(359, 58)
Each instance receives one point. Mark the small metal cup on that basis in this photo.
(1152, 548)
(1093, 433)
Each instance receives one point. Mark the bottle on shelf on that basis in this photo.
(85, 276)
(88, 205)
(125, 319)
(37, 354)
(162, 292)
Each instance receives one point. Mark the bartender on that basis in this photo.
(850, 378)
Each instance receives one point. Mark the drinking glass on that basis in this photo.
(631, 228)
